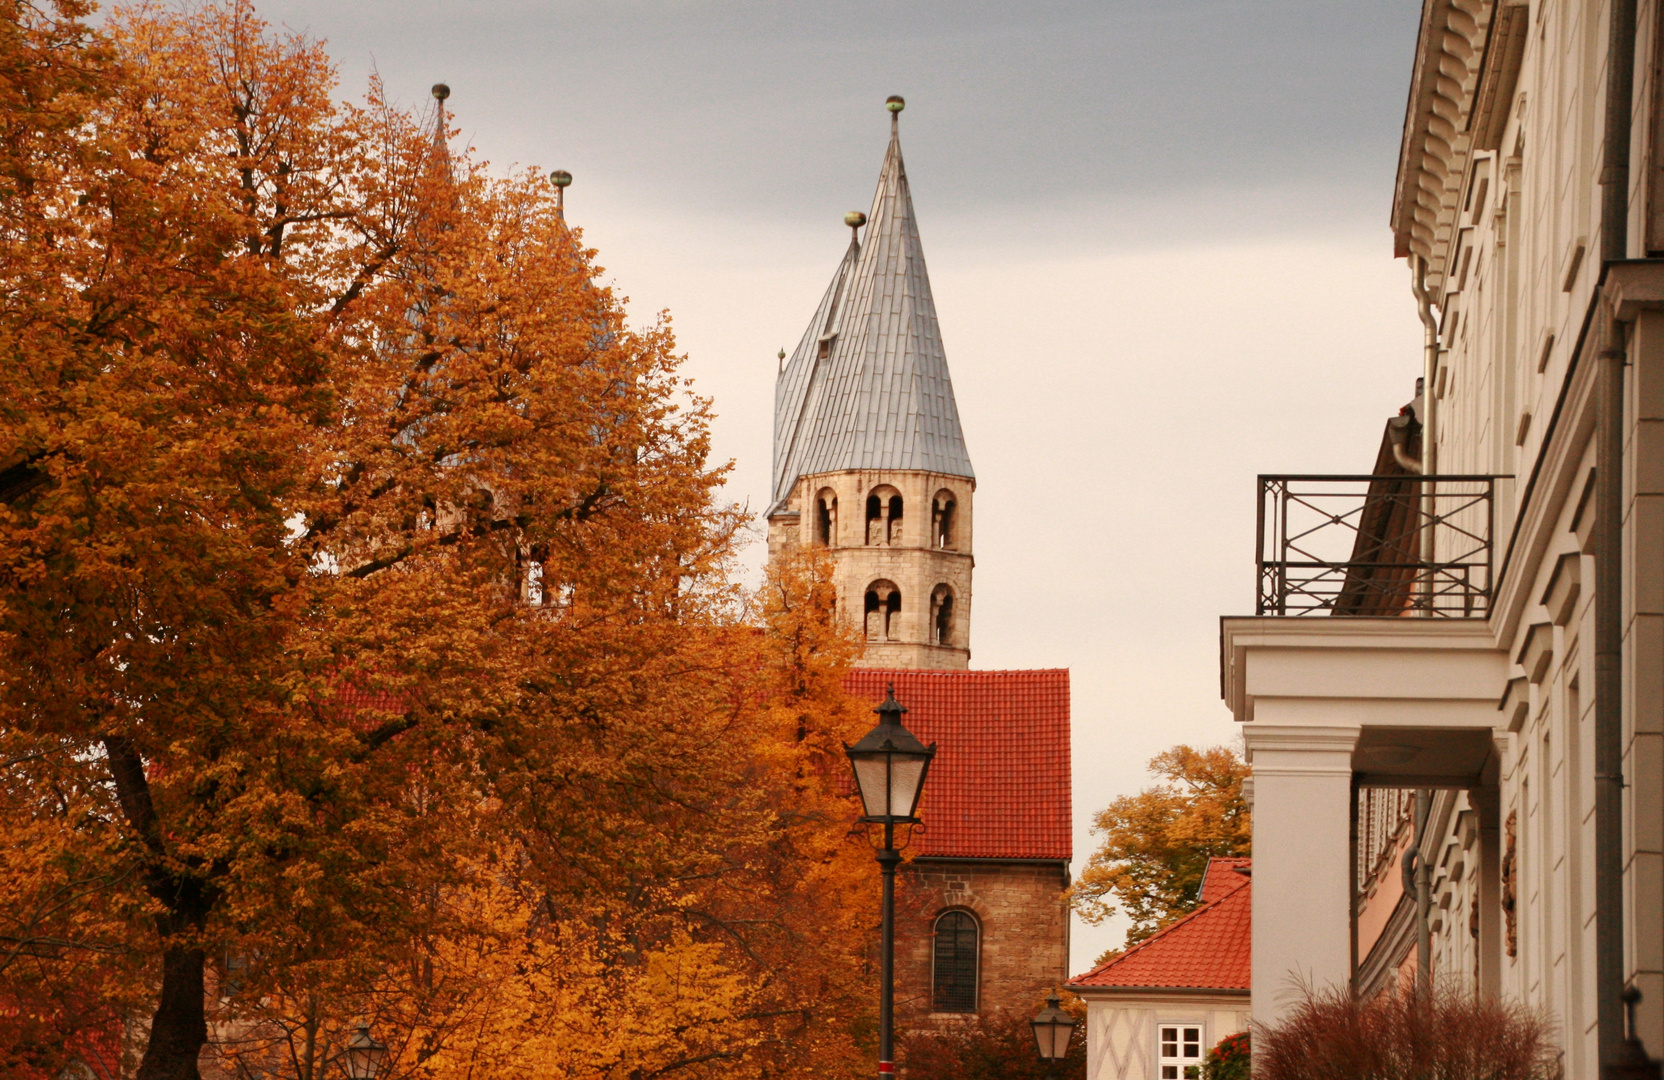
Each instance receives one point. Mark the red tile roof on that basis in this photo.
(1208, 949)
(1220, 878)
(999, 786)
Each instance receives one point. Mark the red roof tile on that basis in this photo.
(1208, 949)
(999, 786)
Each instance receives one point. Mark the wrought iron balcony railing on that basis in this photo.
(1375, 545)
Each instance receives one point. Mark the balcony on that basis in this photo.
(1382, 546)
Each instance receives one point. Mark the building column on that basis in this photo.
(1303, 887)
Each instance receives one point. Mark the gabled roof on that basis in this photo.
(999, 785)
(1208, 949)
(881, 397)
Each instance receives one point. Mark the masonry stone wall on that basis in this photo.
(910, 560)
(1024, 946)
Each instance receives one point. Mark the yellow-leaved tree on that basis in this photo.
(1156, 844)
(368, 640)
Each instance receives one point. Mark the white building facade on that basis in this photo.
(1463, 665)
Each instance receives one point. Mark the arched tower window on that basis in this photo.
(941, 616)
(883, 611)
(884, 516)
(941, 520)
(826, 518)
(953, 980)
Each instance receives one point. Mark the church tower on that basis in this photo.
(869, 459)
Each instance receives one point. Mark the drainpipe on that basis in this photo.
(1429, 421)
(1429, 362)
(1609, 577)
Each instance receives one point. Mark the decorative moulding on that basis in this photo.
(1560, 597)
(1516, 703)
(1536, 650)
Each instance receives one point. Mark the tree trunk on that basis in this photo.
(179, 1030)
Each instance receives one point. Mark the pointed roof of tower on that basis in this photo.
(880, 397)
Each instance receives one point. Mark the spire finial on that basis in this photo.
(562, 180)
(855, 219)
(895, 103)
(782, 359)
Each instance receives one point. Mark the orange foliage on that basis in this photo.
(367, 639)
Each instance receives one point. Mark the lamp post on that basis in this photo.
(1053, 1029)
(890, 766)
(364, 1055)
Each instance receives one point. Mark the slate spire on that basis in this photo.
(868, 386)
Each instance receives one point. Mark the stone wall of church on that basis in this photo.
(907, 563)
(1024, 933)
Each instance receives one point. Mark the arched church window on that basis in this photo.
(826, 518)
(884, 516)
(941, 519)
(941, 616)
(953, 980)
(883, 611)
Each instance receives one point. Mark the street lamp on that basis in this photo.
(890, 766)
(364, 1055)
(1053, 1029)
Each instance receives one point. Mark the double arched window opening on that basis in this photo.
(942, 514)
(883, 611)
(884, 516)
(826, 518)
(941, 616)
(954, 972)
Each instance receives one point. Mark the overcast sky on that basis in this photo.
(1156, 234)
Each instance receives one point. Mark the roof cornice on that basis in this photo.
(1467, 63)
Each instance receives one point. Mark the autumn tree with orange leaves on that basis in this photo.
(1156, 844)
(368, 644)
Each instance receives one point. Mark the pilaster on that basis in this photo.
(1302, 862)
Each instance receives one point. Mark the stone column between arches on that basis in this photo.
(1302, 791)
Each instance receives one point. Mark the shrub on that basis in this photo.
(1228, 1060)
(1447, 1036)
(999, 1046)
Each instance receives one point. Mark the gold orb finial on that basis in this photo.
(782, 355)
(855, 219)
(441, 91)
(560, 178)
(895, 103)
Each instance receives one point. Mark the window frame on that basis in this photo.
(1179, 1062)
(976, 963)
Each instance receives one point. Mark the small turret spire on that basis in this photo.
(440, 93)
(562, 180)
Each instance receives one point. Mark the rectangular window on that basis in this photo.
(1180, 1051)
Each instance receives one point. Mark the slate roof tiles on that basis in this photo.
(881, 398)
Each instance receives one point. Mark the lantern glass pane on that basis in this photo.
(906, 774)
(869, 777)
(1060, 1040)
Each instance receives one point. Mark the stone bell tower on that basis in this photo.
(869, 459)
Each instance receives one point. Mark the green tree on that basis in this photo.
(1157, 843)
